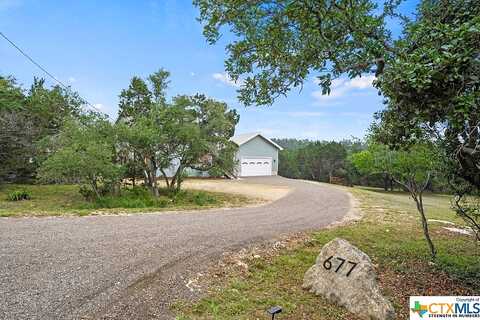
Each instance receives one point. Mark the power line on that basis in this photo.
(45, 70)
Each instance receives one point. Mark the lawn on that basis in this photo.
(389, 233)
(48, 200)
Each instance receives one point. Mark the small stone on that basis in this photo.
(345, 275)
(242, 265)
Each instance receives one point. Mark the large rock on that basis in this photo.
(345, 275)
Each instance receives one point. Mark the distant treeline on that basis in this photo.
(318, 160)
(324, 160)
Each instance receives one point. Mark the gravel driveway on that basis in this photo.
(131, 267)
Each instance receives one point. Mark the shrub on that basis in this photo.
(139, 191)
(129, 201)
(19, 195)
(216, 172)
(89, 195)
(202, 199)
(141, 197)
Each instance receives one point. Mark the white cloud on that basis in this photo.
(71, 79)
(361, 83)
(192, 74)
(341, 86)
(224, 78)
(99, 106)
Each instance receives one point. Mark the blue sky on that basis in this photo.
(97, 46)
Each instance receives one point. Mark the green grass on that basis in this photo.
(389, 233)
(48, 200)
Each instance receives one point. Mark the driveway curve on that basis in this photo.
(131, 267)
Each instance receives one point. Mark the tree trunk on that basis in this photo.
(134, 168)
(116, 188)
(145, 177)
(176, 182)
(179, 183)
(155, 191)
(416, 193)
(93, 183)
(469, 218)
(153, 173)
(419, 202)
(165, 178)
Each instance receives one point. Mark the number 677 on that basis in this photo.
(327, 264)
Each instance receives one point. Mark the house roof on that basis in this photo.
(240, 139)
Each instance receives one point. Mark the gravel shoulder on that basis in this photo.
(132, 267)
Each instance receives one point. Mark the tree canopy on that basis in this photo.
(428, 75)
(83, 152)
(279, 43)
(47, 134)
(137, 100)
(412, 168)
(26, 117)
(432, 88)
(187, 132)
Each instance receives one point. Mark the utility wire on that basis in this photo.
(45, 70)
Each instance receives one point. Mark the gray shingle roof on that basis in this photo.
(240, 139)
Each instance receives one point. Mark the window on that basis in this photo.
(259, 163)
(252, 162)
(266, 163)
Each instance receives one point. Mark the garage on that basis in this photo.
(251, 167)
(256, 155)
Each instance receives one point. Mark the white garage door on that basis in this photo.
(256, 167)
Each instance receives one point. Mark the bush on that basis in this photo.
(139, 191)
(89, 194)
(141, 197)
(202, 199)
(131, 201)
(19, 195)
(216, 172)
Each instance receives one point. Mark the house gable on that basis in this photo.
(259, 147)
(246, 137)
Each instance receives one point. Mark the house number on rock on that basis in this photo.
(332, 275)
(327, 264)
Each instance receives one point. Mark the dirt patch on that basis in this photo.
(238, 262)
(243, 187)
